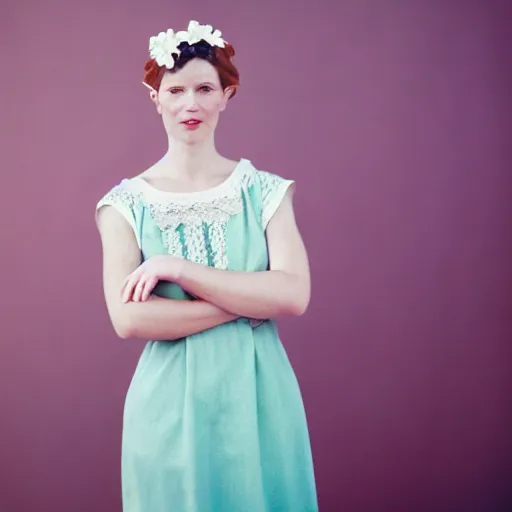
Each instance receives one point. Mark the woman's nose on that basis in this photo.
(191, 102)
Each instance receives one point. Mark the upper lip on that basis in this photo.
(191, 119)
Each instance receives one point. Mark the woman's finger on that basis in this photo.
(129, 289)
(139, 287)
(148, 288)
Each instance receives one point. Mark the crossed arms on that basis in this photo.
(223, 295)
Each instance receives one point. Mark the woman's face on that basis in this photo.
(190, 101)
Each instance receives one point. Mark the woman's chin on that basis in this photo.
(192, 139)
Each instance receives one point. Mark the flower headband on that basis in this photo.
(162, 46)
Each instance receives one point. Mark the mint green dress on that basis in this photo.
(213, 422)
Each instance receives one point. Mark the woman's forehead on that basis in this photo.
(194, 71)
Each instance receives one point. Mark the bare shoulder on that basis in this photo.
(109, 219)
(229, 164)
(286, 247)
(153, 170)
(116, 216)
(284, 216)
(120, 244)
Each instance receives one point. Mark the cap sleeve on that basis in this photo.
(123, 200)
(273, 190)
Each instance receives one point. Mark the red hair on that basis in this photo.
(221, 61)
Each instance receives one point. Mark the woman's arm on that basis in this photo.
(282, 290)
(158, 318)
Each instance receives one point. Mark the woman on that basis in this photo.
(200, 253)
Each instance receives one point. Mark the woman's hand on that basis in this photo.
(138, 286)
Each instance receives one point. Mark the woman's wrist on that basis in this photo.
(175, 269)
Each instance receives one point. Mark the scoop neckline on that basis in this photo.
(207, 192)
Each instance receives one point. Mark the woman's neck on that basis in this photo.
(190, 161)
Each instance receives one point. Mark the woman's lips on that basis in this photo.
(191, 124)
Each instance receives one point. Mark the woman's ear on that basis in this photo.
(228, 92)
(153, 95)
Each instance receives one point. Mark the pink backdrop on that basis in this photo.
(393, 118)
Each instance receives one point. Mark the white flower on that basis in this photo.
(162, 46)
(197, 32)
(215, 39)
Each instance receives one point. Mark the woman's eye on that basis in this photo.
(206, 88)
(174, 90)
